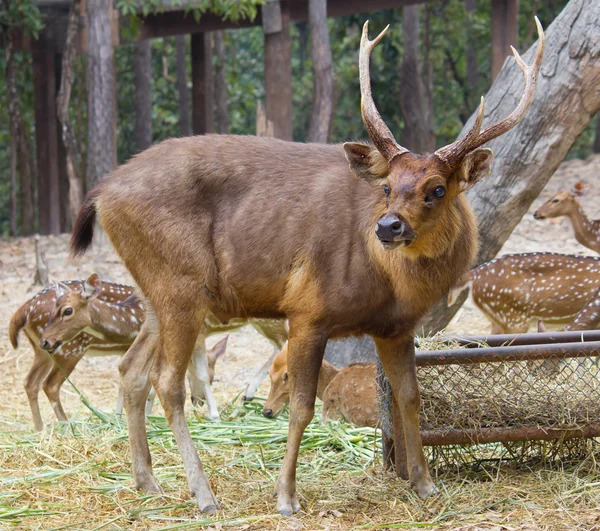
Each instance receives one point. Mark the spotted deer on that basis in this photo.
(349, 393)
(342, 240)
(97, 318)
(565, 203)
(515, 290)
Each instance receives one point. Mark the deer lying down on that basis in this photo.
(349, 393)
(515, 290)
(342, 240)
(77, 318)
(565, 203)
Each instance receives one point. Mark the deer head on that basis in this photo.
(418, 189)
(562, 203)
(71, 314)
(279, 394)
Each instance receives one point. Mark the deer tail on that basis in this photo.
(463, 283)
(17, 322)
(83, 230)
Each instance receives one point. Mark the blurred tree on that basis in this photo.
(182, 87)
(221, 116)
(142, 69)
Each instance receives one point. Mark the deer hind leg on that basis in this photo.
(178, 335)
(42, 363)
(305, 355)
(398, 359)
(64, 363)
(134, 368)
(199, 380)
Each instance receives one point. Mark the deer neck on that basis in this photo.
(113, 322)
(586, 230)
(327, 373)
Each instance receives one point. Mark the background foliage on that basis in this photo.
(452, 97)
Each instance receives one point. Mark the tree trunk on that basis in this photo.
(24, 159)
(221, 116)
(142, 69)
(101, 153)
(12, 197)
(202, 84)
(567, 99)
(505, 31)
(470, 53)
(185, 128)
(62, 102)
(428, 77)
(596, 147)
(322, 72)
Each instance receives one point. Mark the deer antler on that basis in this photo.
(379, 133)
(453, 153)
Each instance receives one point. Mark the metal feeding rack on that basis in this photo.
(505, 388)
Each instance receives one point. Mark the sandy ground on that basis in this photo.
(97, 377)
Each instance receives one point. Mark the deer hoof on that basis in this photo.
(288, 505)
(149, 485)
(247, 398)
(427, 489)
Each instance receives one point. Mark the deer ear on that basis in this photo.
(92, 286)
(366, 162)
(217, 351)
(474, 167)
(579, 189)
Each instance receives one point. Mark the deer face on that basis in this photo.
(279, 394)
(559, 205)
(71, 314)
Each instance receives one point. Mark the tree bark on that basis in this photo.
(322, 72)
(567, 99)
(22, 156)
(101, 153)
(182, 87)
(202, 84)
(417, 137)
(12, 197)
(221, 116)
(62, 102)
(596, 147)
(505, 31)
(142, 69)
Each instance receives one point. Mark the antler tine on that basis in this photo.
(378, 131)
(454, 153)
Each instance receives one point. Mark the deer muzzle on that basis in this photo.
(393, 232)
(49, 346)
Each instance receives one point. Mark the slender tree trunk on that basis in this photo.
(322, 72)
(596, 147)
(428, 77)
(142, 68)
(12, 198)
(101, 153)
(21, 143)
(470, 53)
(566, 100)
(417, 135)
(62, 102)
(221, 116)
(185, 128)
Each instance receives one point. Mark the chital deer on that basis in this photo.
(104, 319)
(341, 239)
(349, 393)
(515, 290)
(565, 203)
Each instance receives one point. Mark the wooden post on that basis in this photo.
(278, 67)
(202, 84)
(44, 81)
(505, 31)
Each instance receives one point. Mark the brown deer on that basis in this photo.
(515, 290)
(342, 240)
(565, 203)
(349, 393)
(104, 319)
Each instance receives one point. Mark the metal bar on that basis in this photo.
(499, 340)
(491, 435)
(512, 353)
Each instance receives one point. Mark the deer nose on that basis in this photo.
(45, 344)
(390, 228)
(268, 413)
(537, 216)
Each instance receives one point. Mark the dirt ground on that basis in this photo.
(97, 377)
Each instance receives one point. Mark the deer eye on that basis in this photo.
(439, 192)
(556, 201)
(68, 311)
(386, 190)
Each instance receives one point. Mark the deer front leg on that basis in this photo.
(33, 383)
(305, 354)
(134, 368)
(199, 380)
(397, 356)
(259, 377)
(64, 363)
